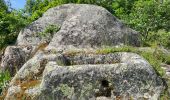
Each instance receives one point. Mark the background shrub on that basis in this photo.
(4, 79)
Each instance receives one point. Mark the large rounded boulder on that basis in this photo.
(81, 25)
(51, 69)
(72, 26)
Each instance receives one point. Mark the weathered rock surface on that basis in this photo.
(14, 57)
(130, 77)
(81, 26)
(48, 72)
(92, 76)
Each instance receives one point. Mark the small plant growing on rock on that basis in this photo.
(4, 78)
(167, 59)
(49, 30)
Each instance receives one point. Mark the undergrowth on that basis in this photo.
(49, 30)
(4, 79)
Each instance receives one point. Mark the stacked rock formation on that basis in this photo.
(46, 71)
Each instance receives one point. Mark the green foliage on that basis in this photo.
(35, 8)
(157, 38)
(3, 6)
(36, 15)
(52, 29)
(30, 5)
(167, 59)
(149, 16)
(4, 78)
(10, 25)
(11, 22)
(154, 61)
(165, 95)
(49, 31)
(122, 8)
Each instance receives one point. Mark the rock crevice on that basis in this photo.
(48, 72)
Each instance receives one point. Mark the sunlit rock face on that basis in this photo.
(49, 71)
(81, 25)
(118, 75)
(89, 77)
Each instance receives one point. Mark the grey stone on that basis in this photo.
(82, 26)
(82, 76)
(127, 76)
(132, 77)
(14, 57)
(91, 76)
(12, 92)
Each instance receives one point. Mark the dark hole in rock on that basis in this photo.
(63, 61)
(105, 89)
(105, 83)
(28, 48)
